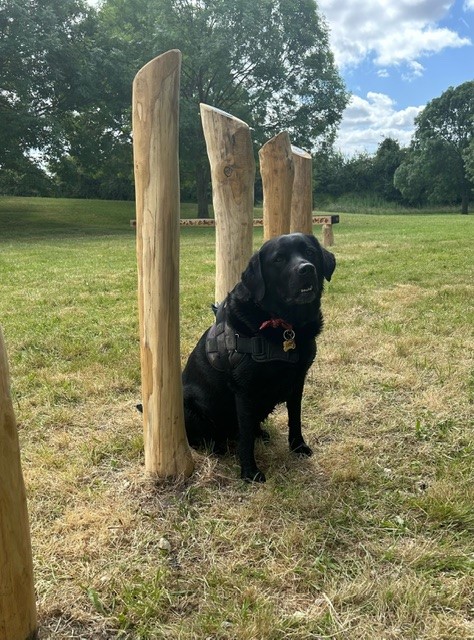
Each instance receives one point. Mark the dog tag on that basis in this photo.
(289, 340)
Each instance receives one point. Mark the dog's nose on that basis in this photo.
(306, 268)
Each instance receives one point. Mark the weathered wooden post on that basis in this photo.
(17, 595)
(229, 147)
(155, 147)
(328, 235)
(302, 200)
(277, 170)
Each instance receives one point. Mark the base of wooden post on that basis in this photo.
(328, 235)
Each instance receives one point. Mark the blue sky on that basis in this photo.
(395, 56)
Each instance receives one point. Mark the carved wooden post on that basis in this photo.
(229, 147)
(17, 596)
(302, 200)
(277, 170)
(155, 146)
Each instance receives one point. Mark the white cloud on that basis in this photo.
(394, 36)
(415, 70)
(393, 32)
(366, 122)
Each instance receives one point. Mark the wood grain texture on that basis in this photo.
(328, 235)
(155, 146)
(277, 170)
(17, 597)
(230, 152)
(302, 198)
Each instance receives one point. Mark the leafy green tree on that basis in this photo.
(469, 160)
(328, 167)
(436, 163)
(267, 62)
(66, 72)
(43, 58)
(386, 161)
(412, 180)
(363, 174)
(357, 174)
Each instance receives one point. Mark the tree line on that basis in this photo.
(436, 169)
(66, 71)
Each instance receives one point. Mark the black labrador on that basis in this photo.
(257, 353)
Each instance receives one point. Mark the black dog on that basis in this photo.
(259, 350)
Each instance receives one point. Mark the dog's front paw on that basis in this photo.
(253, 475)
(301, 449)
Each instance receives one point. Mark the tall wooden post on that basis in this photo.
(302, 200)
(155, 147)
(17, 596)
(229, 147)
(277, 170)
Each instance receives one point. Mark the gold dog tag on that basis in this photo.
(289, 340)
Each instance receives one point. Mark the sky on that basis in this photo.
(395, 56)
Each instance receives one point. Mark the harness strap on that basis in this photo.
(225, 349)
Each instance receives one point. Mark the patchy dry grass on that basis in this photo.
(372, 538)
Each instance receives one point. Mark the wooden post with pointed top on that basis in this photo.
(302, 200)
(17, 595)
(277, 170)
(229, 148)
(155, 147)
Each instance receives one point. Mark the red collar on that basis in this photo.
(275, 323)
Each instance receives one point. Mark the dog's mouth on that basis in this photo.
(305, 294)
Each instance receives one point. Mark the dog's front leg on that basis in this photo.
(248, 426)
(295, 436)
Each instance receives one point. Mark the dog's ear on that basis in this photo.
(252, 278)
(329, 263)
(329, 259)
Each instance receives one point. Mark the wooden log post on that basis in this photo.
(302, 199)
(155, 147)
(230, 152)
(17, 596)
(328, 234)
(277, 170)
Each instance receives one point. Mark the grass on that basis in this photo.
(372, 538)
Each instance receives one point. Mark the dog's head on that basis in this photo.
(288, 270)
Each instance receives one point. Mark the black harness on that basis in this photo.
(225, 349)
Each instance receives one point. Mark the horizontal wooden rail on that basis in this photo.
(258, 222)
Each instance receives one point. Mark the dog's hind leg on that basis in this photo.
(198, 427)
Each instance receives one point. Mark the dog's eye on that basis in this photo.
(279, 258)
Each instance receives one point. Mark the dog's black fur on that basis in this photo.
(282, 282)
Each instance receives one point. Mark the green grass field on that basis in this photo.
(371, 538)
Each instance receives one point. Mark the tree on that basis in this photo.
(66, 72)
(42, 75)
(387, 159)
(436, 162)
(328, 167)
(469, 160)
(412, 179)
(267, 62)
